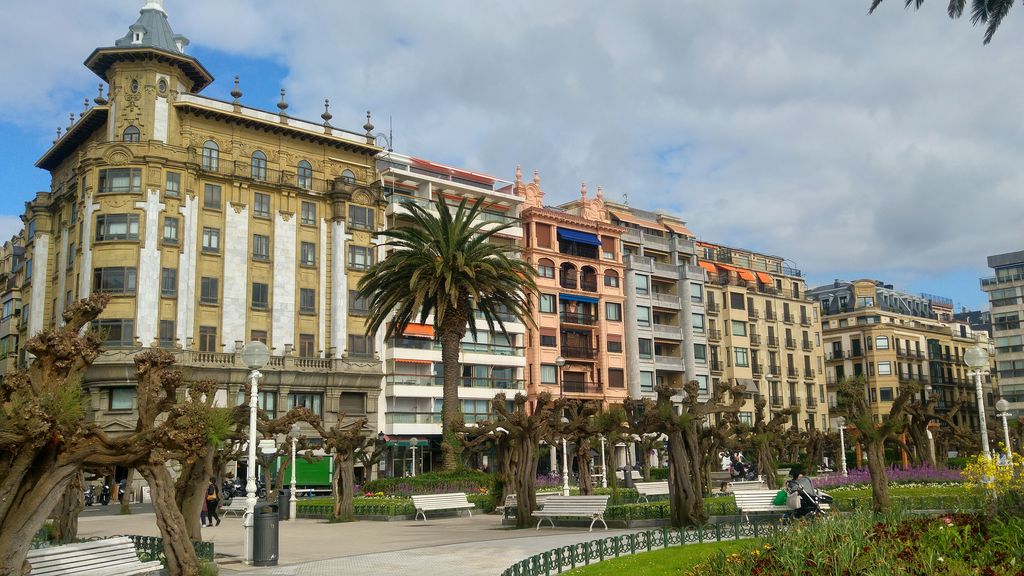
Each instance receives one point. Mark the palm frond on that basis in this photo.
(956, 8)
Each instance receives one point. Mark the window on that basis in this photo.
(266, 400)
(696, 293)
(114, 280)
(700, 353)
(548, 340)
(348, 177)
(115, 332)
(698, 323)
(307, 254)
(258, 336)
(702, 383)
(207, 338)
(614, 345)
(643, 316)
(313, 402)
(208, 290)
(360, 217)
(211, 239)
(74, 214)
(548, 374)
(117, 227)
(357, 305)
(360, 257)
(308, 214)
(260, 247)
(307, 347)
(611, 278)
(862, 302)
(170, 230)
(352, 403)
(545, 268)
(169, 282)
(547, 303)
(28, 271)
(211, 196)
(881, 343)
(304, 175)
(616, 378)
(261, 205)
(71, 255)
(122, 398)
(172, 184)
(646, 381)
(736, 301)
(741, 357)
(746, 418)
(131, 134)
(31, 232)
(260, 296)
(884, 368)
(120, 180)
(885, 394)
(359, 345)
(643, 284)
(645, 346)
(258, 164)
(307, 300)
(211, 156)
(739, 328)
(613, 311)
(167, 338)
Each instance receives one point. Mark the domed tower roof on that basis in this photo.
(151, 37)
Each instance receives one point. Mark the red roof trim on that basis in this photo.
(466, 174)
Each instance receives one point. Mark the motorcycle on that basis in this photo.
(88, 496)
(105, 495)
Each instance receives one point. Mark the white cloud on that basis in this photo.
(800, 128)
(9, 226)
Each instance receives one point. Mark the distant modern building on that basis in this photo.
(977, 320)
(1006, 301)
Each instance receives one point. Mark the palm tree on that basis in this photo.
(988, 12)
(447, 265)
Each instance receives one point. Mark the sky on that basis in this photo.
(885, 146)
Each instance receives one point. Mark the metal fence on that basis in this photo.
(148, 547)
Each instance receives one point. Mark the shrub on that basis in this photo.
(957, 462)
(469, 481)
(658, 474)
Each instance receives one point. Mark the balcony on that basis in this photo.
(1007, 279)
(481, 348)
(770, 315)
(588, 283)
(580, 387)
(773, 342)
(579, 352)
(569, 282)
(715, 366)
(753, 314)
(776, 402)
(670, 331)
(791, 343)
(788, 318)
(757, 369)
(431, 380)
(684, 245)
(714, 335)
(805, 321)
(812, 403)
(810, 373)
(940, 357)
(755, 339)
(856, 353)
(806, 345)
(794, 402)
(668, 270)
(713, 308)
(668, 362)
(792, 372)
(580, 318)
(665, 300)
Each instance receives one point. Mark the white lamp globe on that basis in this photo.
(255, 355)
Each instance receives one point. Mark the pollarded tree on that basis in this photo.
(852, 400)
(580, 430)
(449, 266)
(347, 442)
(989, 13)
(764, 437)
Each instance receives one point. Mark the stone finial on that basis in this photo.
(58, 135)
(282, 105)
(236, 93)
(71, 120)
(327, 113)
(600, 193)
(99, 99)
(85, 106)
(583, 190)
(519, 176)
(536, 177)
(369, 125)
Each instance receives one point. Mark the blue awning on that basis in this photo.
(575, 298)
(577, 236)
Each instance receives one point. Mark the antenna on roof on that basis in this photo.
(625, 198)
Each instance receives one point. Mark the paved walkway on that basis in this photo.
(450, 546)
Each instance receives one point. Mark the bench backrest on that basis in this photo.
(576, 504)
(83, 557)
(440, 501)
(651, 487)
(757, 500)
(747, 485)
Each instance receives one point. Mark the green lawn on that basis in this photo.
(673, 561)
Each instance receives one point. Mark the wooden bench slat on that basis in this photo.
(592, 507)
(113, 556)
(432, 502)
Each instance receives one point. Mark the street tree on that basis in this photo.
(348, 442)
(580, 429)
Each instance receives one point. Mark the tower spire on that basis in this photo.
(155, 5)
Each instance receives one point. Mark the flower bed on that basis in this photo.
(920, 475)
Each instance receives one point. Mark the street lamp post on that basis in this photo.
(413, 443)
(559, 362)
(293, 501)
(565, 461)
(1003, 411)
(976, 357)
(604, 468)
(928, 429)
(255, 355)
(841, 424)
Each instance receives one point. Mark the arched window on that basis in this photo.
(611, 278)
(545, 268)
(304, 175)
(131, 134)
(211, 156)
(588, 279)
(567, 276)
(348, 177)
(259, 165)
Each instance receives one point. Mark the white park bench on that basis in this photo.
(591, 507)
(645, 489)
(512, 503)
(747, 485)
(234, 506)
(433, 502)
(113, 556)
(757, 501)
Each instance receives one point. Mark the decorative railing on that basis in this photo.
(147, 547)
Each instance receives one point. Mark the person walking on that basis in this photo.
(202, 514)
(212, 500)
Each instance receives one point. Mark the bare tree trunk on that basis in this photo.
(879, 479)
(450, 409)
(525, 476)
(583, 466)
(345, 481)
(178, 548)
(190, 492)
(31, 486)
(65, 524)
(766, 464)
(126, 501)
(686, 498)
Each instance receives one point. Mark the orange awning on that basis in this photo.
(627, 217)
(419, 330)
(708, 266)
(746, 274)
(678, 228)
(765, 278)
(410, 361)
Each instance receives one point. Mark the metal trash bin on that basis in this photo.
(284, 508)
(264, 537)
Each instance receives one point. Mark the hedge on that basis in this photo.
(469, 481)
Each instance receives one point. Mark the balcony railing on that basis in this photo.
(856, 353)
(770, 315)
(716, 366)
(773, 342)
(792, 372)
(713, 308)
(776, 402)
(993, 280)
(664, 299)
(791, 343)
(583, 318)
(757, 369)
(568, 282)
(794, 402)
(788, 318)
(812, 403)
(667, 331)
(805, 321)
(806, 345)
(810, 373)
(588, 283)
(580, 387)
(753, 314)
(714, 335)
(755, 339)
(466, 382)
(670, 362)
(583, 352)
